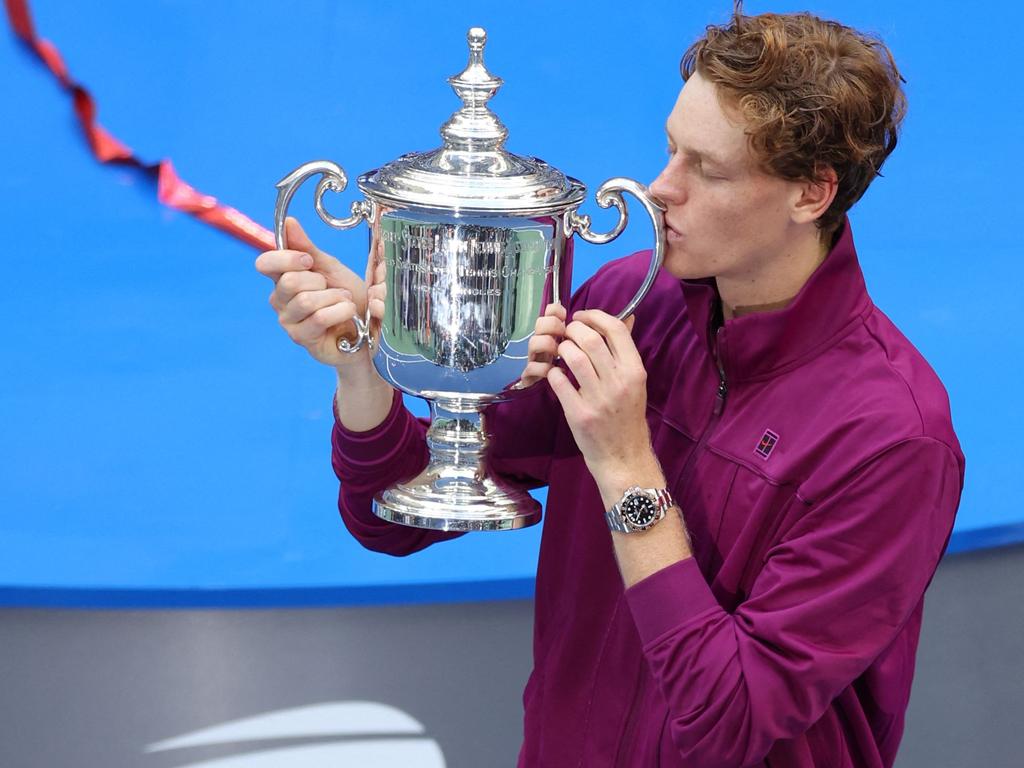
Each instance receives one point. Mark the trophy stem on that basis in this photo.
(456, 491)
(458, 440)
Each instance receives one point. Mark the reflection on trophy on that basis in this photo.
(474, 245)
(430, 266)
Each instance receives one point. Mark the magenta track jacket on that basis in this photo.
(812, 454)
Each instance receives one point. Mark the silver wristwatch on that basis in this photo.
(639, 509)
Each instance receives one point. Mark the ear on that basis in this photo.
(812, 198)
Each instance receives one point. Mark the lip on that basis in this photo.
(671, 232)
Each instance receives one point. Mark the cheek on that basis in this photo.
(718, 214)
(722, 225)
(738, 212)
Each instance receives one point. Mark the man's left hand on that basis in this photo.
(607, 414)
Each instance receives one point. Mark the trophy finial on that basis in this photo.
(475, 126)
(477, 37)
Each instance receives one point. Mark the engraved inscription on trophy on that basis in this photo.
(458, 287)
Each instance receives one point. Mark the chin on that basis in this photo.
(680, 266)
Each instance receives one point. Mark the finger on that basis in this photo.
(542, 346)
(292, 283)
(274, 263)
(616, 333)
(549, 326)
(306, 303)
(579, 364)
(322, 261)
(566, 393)
(297, 239)
(377, 269)
(594, 345)
(337, 274)
(555, 310)
(377, 309)
(535, 370)
(316, 325)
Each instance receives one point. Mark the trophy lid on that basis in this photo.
(472, 171)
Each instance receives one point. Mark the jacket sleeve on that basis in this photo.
(832, 595)
(368, 462)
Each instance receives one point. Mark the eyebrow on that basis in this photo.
(703, 155)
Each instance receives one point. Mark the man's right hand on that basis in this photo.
(316, 297)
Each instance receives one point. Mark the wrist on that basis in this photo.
(362, 400)
(359, 377)
(643, 471)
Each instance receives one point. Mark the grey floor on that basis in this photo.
(967, 705)
(94, 688)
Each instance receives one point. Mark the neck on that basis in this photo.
(774, 283)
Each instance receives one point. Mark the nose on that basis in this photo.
(667, 186)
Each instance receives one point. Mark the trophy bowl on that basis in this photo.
(474, 242)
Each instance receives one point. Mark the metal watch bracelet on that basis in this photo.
(617, 520)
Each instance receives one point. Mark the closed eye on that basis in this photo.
(696, 163)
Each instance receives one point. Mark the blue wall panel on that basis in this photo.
(159, 435)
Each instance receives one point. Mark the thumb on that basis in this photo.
(296, 239)
(630, 322)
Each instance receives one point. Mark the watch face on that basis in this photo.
(640, 510)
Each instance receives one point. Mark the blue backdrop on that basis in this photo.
(161, 440)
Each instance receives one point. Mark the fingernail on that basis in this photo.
(306, 260)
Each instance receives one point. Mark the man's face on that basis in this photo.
(724, 218)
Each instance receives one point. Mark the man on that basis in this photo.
(766, 610)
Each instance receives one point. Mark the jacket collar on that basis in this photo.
(765, 344)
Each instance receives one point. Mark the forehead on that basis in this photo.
(700, 123)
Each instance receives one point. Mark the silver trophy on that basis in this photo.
(475, 243)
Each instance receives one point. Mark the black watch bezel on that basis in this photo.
(640, 509)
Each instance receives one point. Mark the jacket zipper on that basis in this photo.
(720, 396)
(723, 388)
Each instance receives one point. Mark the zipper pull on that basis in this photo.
(723, 390)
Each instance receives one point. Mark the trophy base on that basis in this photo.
(442, 503)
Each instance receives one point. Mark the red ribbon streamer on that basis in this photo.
(171, 190)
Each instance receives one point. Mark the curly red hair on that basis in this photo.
(815, 94)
